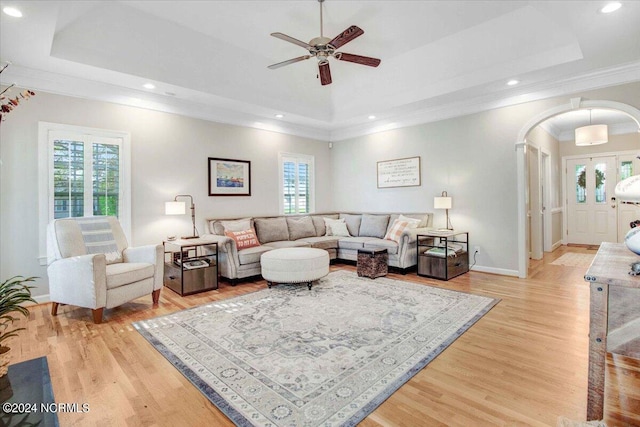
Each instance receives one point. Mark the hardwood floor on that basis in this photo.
(524, 363)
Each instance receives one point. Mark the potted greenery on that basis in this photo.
(13, 292)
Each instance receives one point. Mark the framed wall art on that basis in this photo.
(229, 177)
(399, 173)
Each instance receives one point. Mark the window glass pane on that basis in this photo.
(106, 179)
(289, 186)
(581, 184)
(626, 169)
(303, 188)
(68, 178)
(601, 180)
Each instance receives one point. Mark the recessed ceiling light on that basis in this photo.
(279, 116)
(513, 82)
(12, 11)
(371, 117)
(611, 7)
(149, 86)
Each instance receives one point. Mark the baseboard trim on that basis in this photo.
(556, 245)
(41, 299)
(493, 270)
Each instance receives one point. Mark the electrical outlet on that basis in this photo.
(476, 250)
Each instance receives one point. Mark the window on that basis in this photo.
(296, 184)
(83, 172)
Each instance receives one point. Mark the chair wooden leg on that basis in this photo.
(97, 315)
(54, 308)
(156, 296)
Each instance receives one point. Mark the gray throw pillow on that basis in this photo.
(271, 229)
(353, 223)
(374, 225)
(300, 227)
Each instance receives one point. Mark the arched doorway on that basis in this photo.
(521, 159)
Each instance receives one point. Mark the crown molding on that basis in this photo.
(221, 110)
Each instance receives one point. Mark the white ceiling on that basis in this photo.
(209, 59)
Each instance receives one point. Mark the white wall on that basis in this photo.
(472, 157)
(169, 157)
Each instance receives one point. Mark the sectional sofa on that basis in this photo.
(367, 231)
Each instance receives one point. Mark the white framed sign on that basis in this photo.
(399, 173)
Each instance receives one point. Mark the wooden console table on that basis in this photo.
(614, 324)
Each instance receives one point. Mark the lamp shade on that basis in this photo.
(175, 208)
(592, 135)
(442, 202)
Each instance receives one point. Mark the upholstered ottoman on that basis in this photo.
(294, 265)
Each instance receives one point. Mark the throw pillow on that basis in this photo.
(329, 222)
(373, 225)
(339, 229)
(271, 229)
(413, 222)
(244, 239)
(396, 230)
(300, 227)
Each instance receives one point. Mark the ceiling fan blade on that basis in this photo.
(346, 36)
(325, 73)
(290, 61)
(291, 40)
(363, 60)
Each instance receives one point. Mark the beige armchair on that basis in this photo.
(90, 265)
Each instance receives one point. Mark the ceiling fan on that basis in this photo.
(324, 47)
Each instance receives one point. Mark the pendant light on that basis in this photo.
(592, 134)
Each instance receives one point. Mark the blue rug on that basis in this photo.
(329, 356)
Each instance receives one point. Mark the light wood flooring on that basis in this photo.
(522, 364)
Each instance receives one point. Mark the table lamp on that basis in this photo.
(179, 208)
(443, 202)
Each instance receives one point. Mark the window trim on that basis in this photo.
(45, 182)
(310, 160)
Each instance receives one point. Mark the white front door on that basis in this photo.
(591, 205)
(628, 165)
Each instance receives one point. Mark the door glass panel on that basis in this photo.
(581, 184)
(601, 180)
(68, 179)
(626, 169)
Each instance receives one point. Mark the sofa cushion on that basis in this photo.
(352, 242)
(373, 225)
(322, 242)
(251, 255)
(236, 225)
(244, 239)
(289, 244)
(300, 227)
(353, 223)
(390, 245)
(271, 229)
(319, 224)
(124, 273)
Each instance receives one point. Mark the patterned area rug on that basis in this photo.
(290, 356)
(571, 259)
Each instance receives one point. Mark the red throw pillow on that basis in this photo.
(244, 239)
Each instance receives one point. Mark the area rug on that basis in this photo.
(290, 356)
(572, 259)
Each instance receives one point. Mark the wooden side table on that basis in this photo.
(614, 317)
